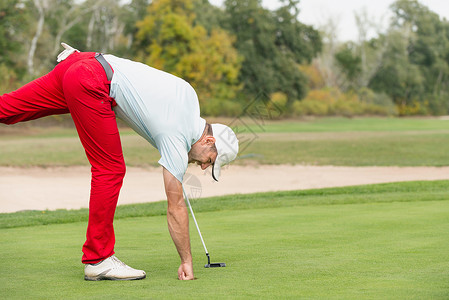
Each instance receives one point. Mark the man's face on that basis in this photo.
(203, 153)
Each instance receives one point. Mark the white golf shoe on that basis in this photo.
(112, 269)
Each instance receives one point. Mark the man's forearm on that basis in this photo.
(178, 225)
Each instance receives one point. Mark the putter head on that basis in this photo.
(215, 265)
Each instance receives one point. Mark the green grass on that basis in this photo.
(246, 124)
(61, 147)
(327, 141)
(356, 149)
(387, 192)
(344, 124)
(384, 241)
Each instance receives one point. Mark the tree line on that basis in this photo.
(242, 52)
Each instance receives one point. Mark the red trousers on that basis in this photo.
(79, 85)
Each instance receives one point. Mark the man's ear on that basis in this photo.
(209, 140)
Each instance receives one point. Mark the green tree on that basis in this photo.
(416, 65)
(31, 32)
(350, 63)
(14, 20)
(429, 51)
(131, 13)
(358, 61)
(273, 44)
(397, 77)
(207, 15)
(168, 39)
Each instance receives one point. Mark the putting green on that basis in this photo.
(341, 250)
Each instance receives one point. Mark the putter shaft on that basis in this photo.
(209, 265)
(194, 219)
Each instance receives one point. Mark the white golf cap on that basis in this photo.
(227, 146)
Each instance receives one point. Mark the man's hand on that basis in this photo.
(185, 271)
(178, 224)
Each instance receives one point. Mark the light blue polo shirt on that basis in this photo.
(161, 107)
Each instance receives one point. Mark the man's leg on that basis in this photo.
(39, 98)
(84, 91)
(87, 93)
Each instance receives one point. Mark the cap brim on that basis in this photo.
(226, 143)
(216, 169)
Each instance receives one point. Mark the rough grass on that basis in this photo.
(384, 241)
(345, 124)
(356, 149)
(329, 141)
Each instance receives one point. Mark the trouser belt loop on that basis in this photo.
(107, 68)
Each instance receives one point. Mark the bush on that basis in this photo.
(347, 105)
(218, 107)
(323, 95)
(331, 102)
(414, 109)
(439, 105)
(377, 103)
(9, 80)
(310, 108)
(372, 109)
(278, 102)
(315, 79)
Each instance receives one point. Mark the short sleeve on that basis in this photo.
(174, 155)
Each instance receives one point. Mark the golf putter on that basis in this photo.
(208, 265)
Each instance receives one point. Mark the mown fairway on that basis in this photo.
(331, 141)
(379, 242)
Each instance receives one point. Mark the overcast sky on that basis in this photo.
(318, 12)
